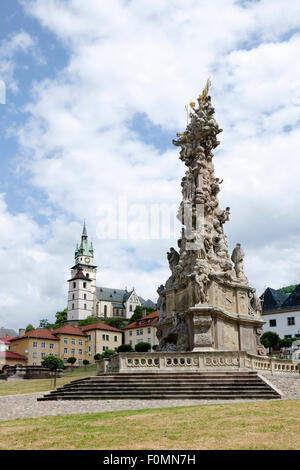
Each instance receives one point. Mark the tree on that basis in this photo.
(61, 318)
(138, 312)
(53, 363)
(116, 322)
(85, 362)
(125, 348)
(106, 354)
(89, 321)
(45, 324)
(272, 337)
(285, 342)
(29, 328)
(143, 347)
(71, 360)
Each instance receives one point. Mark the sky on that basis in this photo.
(92, 94)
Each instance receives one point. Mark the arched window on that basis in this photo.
(87, 275)
(130, 308)
(72, 306)
(105, 310)
(84, 285)
(84, 296)
(74, 285)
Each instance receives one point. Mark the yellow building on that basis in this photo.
(35, 345)
(142, 330)
(72, 343)
(101, 337)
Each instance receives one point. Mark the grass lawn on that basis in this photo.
(43, 385)
(255, 425)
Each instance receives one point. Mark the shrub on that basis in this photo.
(85, 362)
(108, 353)
(97, 357)
(125, 348)
(143, 347)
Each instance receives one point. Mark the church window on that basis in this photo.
(84, 306)
(130, 308)
(73, 297)
(84, 285)
(84, 296)
(105, 309)
(87, 275)
(74, 285)
(72, 306)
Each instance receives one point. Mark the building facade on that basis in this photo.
(281, 312)
(86, 299)
(142, 330)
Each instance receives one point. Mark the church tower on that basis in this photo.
(82, 285)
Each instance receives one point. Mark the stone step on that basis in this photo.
(193, 386)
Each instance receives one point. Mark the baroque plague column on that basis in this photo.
(206, 304)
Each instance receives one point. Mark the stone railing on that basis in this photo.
(194, 362)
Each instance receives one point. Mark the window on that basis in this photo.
(141, 332)
(149, 340)
(105, 310)
(130, 333)
(80, 361)
(51, 346)
(84, 306)
(116, 349)
(66, 340)
(73, 341)
(89, 336)
(130, 342)
(130, 308)
(89, 348)
(297, 335)
(65, 350)
(43, 355)
(149, 330)
(74, 285)
(287, 336)
(87, 275)
(73, 296)
(35, 344)
(34, 355)
(72, 306)
(44, 345)
(84, 296)
(291, 321)
(107, 337)
(65, 360)
(84, 285)
(116, 338)
(138, 341)
(272, 323)
(80, 342)
(103, 337)
(80, 352)
(73, 352)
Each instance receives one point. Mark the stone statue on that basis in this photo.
(238, 257)
(173, 258)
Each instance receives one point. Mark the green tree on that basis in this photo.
(45, 324)
(71, 360)
(285, 342)
(272, 337)
(89, 321)
(138, 312)
(115, 322)
(85, 362)
(29, 328)
(125, 348)
(143, 347)
(61, 318)
(52, 363)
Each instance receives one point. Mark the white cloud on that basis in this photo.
(128, 57)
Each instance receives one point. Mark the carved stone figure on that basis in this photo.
(173, 258)
(238, 258)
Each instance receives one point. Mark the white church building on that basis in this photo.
(86, 299)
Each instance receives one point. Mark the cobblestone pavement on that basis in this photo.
(27, 406)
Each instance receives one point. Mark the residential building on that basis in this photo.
(281, 312)
(86, 299)
(101, 337)
(142, 330)
(35, 345)
(72, 343)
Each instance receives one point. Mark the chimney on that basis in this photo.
(144, 312)
(21, 331)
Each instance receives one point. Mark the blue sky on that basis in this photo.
(96, 91)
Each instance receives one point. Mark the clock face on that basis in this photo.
(87, 260)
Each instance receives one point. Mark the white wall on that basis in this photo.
(282, 328)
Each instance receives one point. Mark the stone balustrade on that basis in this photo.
(194, 362)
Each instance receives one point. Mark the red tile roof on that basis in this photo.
(12, 355)
(41, 333)
(148, 320)
(6, 339)
(80, 275)
(99, 326)
(68, 330)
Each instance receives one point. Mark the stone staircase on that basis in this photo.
(194, 385)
